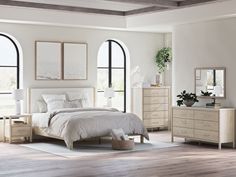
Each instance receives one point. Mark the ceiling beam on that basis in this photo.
(60, 7)
(194, 2)
(145, 10)
(159, 3)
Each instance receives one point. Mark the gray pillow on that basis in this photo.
(77, 103)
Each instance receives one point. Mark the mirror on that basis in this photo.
(211, 80)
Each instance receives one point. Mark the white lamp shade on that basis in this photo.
(109, 92)
(18, 94)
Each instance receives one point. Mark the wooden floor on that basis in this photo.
(186, 160)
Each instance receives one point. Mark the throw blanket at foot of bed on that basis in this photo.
(77, 124)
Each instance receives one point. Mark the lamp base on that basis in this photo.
(18, 107)
(109, 102)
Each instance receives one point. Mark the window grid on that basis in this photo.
(110, 68)
(17, 66)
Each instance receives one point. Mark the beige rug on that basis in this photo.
(85, 149)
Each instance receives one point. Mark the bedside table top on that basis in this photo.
(17, 116)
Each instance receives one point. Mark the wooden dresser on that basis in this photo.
(152, 105)
(204, 124)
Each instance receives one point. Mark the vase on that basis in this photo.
(188, 103)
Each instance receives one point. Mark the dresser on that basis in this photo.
(204, 124)
(152, 105)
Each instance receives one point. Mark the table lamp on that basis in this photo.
(18, 95)
(109, 94)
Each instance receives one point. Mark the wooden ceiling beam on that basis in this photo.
(159, 3)
(194, 2)
(60, 7)
(145, 10)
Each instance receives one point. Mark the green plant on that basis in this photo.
(206, 93)
(184, 96)
(163, 56)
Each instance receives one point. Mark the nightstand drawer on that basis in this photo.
(21, 131)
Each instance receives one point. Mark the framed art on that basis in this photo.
(75, 61)
(48, 60)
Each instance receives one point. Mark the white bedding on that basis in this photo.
(81, 123)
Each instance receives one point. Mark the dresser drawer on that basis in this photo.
(206, 135)
(155, 107)
(153, 100)
(207, 115)
(183, 113)
(183, 132)
(155, 122)
(155, 92)
(186, 123)
(21, 131)
(206, 125)
(155, 115)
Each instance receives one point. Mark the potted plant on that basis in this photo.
(186, 98)
(163, 57)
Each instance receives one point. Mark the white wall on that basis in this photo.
(211, 43)
(142, 49)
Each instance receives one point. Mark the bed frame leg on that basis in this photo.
(141, 139)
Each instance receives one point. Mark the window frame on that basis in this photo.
(17, 64)
(110, 68)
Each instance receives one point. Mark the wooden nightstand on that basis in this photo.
(13, 130)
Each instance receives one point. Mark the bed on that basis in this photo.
(80, 120)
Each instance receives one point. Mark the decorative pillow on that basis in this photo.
(55, 105)
(79, 96)
(73, 103)
(42, 106)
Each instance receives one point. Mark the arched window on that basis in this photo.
(111, 72)
(9, 73)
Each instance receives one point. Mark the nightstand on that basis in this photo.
(17, 126)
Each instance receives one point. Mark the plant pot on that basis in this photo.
(188, 103)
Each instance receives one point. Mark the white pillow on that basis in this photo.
(79, 96)
(73, 103)
(42, 106)
(54, 101)
(55, 105)
(51, 97)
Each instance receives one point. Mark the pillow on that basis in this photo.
(55, 105)
(79, 96)
(51, 97)
(54, 101)
(42, 106)
(73, 103)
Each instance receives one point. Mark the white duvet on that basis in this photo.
(75, 124)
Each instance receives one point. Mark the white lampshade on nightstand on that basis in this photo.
(109, 94)
(18, 95)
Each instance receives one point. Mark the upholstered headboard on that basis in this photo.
(35, 94)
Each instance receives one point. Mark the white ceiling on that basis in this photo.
(96, 4)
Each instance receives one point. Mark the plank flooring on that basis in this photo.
(186, 160)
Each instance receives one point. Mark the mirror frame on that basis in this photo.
(209, 68)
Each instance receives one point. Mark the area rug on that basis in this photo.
(90, 149)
